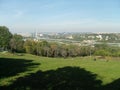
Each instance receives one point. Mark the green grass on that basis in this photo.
(33, 72)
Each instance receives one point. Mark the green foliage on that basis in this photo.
(107, 50)
(102, 52)
(5, 37)
(47, 49)
(85, 51)
(29, 46)
(43, 48)
(101, 46)
(16, 43)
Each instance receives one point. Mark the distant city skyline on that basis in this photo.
(60, 15)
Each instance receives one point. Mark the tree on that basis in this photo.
(29, 46)
(54, 50)
(63, 50)
(44, 48)
(16, 43)
(85, 51)
(73, 50)
(5, 36)
(102, 52)
(101, 46)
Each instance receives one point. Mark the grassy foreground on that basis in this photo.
(29, 72)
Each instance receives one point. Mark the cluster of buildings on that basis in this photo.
(72, 37)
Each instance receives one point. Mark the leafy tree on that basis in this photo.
(101, 46)
(72, 50)
(64, 53)
(16, 43)
(43, 48)
(54, 50)
(85, 51)
(5, 36)
(38, 48)
(29, 46)
(64, 50)
(102, 52)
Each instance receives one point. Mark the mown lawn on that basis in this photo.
(29, 72)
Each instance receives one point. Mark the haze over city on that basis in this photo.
(60, 15)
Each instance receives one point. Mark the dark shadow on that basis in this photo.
(67, 78)
(11, 67)
(115, 85)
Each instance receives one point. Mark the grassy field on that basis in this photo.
(29, 72)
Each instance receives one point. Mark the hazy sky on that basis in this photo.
(60, 15)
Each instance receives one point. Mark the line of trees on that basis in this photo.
(44, 48)
(15, 43)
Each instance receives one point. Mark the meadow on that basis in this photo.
(30, 72)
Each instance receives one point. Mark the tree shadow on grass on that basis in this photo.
(67, 78)
(115, 85)
(11, 67)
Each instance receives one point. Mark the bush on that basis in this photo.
(102, 53)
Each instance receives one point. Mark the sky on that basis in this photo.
(60, 15)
